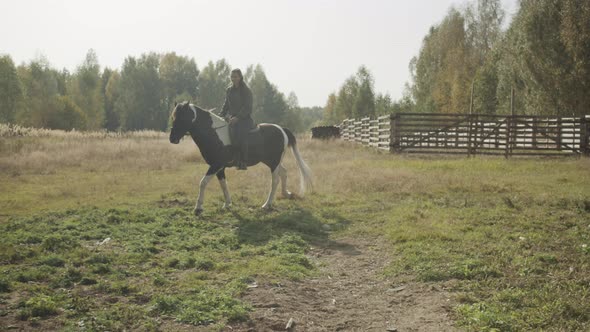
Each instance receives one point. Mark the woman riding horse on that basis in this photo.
(237, 110)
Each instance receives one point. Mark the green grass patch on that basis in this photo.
(516, 257)
(206, 265)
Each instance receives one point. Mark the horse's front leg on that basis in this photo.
(203, 185)
(223, 184)
(273, 189)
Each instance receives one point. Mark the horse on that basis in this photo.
(267, 144)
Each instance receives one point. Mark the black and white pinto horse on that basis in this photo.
(210, 132)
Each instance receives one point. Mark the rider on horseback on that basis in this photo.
(237, 110)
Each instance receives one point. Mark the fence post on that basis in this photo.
(559, 136)
(535, 129)
(365, 131)
(512, 121)
(348, 132)
(507, 146)
(469, 135)
(394, 135)
(584, 136)
(476, 135)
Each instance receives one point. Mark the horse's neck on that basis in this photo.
(208, 142)
(202, 138)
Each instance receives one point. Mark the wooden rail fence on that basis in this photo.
(471, 134)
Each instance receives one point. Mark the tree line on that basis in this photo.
(543, 55)
(138, 96)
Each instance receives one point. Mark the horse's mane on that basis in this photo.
(195, 107)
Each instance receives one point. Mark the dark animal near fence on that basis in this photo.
(325, 132)
(472, 134)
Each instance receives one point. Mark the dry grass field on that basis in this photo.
(97, 233)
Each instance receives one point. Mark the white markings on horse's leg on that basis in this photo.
(204, 181)
(273, 189)
(283, 175)
(223, 185)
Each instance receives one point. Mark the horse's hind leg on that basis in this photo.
(283, 175)
(273, 189)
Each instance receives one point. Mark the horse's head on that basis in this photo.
(183, 118)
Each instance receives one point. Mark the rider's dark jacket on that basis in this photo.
(238, 105)
(238, 102)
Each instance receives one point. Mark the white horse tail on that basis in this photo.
(305, 181)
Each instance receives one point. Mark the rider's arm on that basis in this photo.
(225, 107)
(246, 109)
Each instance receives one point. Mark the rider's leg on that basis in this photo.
(243, 127)
(235, 141)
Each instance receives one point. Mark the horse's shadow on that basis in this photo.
(259, 228)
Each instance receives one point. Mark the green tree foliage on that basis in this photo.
(441, 72)
(110, 90)
(141, 92)
(179, 78)
(292, 118)
(483, 27)
(456, 54)
(346, 98)
(85, 89)
(330, 115)
(364, 102)
(63, 113)
(545, 58)
(355, 98)
(213, 82)
(269, 104)
(44, 102)
(310, 116)
(485, 88)
(40, 88)
(405, 104)
(139, 96)
(383, 104)
(10, 89)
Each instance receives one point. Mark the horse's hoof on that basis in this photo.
(267, 207)
(198, 212)
(288, 195)
(226, 206)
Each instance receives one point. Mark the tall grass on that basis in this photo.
(13, 130)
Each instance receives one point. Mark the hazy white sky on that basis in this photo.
(305, 46)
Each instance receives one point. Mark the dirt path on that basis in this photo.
(348, 295)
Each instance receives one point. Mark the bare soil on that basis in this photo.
(349, 294)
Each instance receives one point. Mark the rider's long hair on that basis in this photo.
(242, 82)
